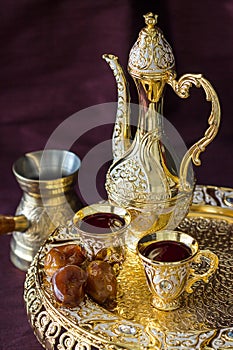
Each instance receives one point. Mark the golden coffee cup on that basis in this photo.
(169, 259)
(102, 228)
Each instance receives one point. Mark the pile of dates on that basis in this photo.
(73, 275)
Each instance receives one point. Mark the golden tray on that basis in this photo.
(205, 320)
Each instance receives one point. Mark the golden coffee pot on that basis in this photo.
(146, 176)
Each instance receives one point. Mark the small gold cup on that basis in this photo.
(168, 258)
(106, 242)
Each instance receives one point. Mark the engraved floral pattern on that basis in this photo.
(151, 53)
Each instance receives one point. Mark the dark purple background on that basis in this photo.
(51, 67)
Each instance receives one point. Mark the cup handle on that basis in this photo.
(181, 88)
(194, 277)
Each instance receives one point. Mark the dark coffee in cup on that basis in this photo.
(101, 223)
(167, 251)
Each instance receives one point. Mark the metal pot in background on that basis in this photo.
(47, 179)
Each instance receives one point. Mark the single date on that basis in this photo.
(69, 285)
(57, 257)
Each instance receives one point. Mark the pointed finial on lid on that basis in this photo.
(150, 20)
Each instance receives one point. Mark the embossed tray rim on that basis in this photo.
(210, 211)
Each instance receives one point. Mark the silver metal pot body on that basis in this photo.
(47, 179)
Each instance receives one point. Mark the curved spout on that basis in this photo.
(122, 133)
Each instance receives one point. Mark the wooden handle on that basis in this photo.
(13, 223)
(7, 224)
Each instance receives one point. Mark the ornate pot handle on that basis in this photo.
(181, 88)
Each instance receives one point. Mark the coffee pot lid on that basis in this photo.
(151, 55)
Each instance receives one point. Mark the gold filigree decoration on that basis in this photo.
(127, 180)
(151, 54)
(122, 132)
